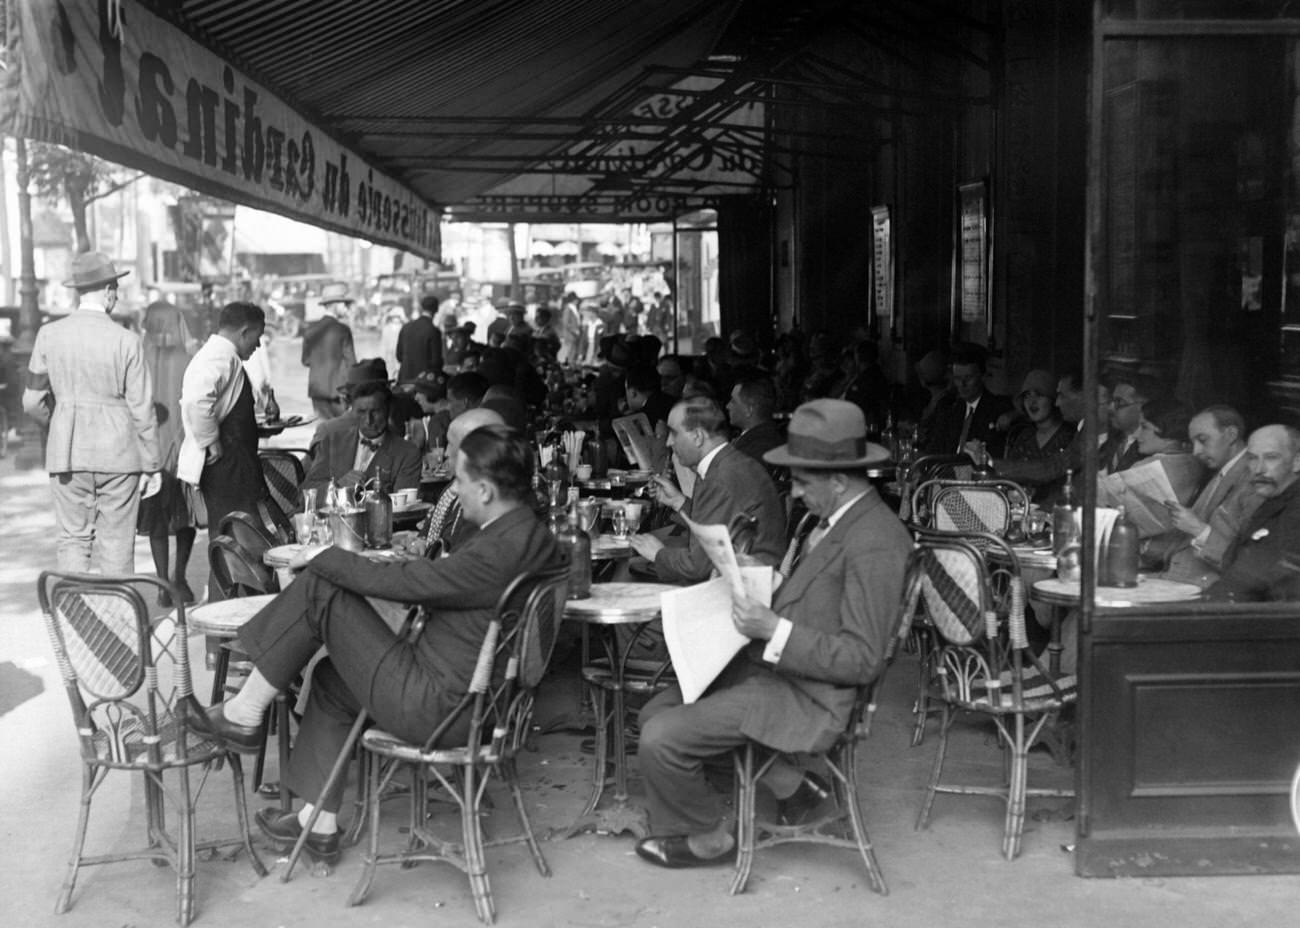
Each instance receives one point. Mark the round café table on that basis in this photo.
(1056, 592)
(612, 606)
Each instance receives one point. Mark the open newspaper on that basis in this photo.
(698, 630)
(639, 441)
(1145, 488)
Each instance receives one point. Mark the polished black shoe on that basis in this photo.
(282, 830)
(674, 852)
(800, 805)
(183, 589)
(165, 599)
(246, 739)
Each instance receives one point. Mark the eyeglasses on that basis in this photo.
(1124, 404)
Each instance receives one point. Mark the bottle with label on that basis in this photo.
(1065, 527)
(272, 407)
(576, 545)
(1121, 553)
(379, 512)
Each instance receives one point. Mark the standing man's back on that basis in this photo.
(419, 344)
(103, 432)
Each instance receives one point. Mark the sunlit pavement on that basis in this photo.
(951, 873)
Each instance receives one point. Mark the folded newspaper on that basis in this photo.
(1145, 488)
(698, 629)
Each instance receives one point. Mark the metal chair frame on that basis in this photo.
(499, 707)
(132, 697)
(983, 663)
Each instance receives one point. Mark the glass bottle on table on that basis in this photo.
(576, 545)
(1065, 525)
(1122, 553)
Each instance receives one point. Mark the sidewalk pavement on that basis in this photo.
(952, 872)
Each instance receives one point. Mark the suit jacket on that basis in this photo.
(842, 600)
(327, 352)
(336, 451)
(734, 483)
(756, 441)
(1263, 563)
(460, 592)
(1111, 460)
(945, 430)
(419, 348)
(1225, 506)
(103, 417)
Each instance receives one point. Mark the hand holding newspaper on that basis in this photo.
(698, 629)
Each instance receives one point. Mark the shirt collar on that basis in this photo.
(702, 468)
(1223, 471)
(91, 305)
(844, 507)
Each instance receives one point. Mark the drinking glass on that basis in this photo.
(618, 523)
(304, 525)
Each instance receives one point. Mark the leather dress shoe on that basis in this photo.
(674, 852)
(800, 805)
(282, 830)
(246, 739)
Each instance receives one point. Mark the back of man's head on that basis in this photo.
(704, 413)
(235, 316)
(467, 422)
(502, 457)
(759, 395)
(429, 304)
(468, 387)
(642, 378)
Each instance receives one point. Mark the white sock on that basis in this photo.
(248, 706)
(326, 822)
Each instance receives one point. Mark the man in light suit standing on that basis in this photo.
(1194, 551)
(103, 431)
(793, 687)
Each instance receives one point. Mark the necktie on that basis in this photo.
(965, 428)
(810, 531)
(1205, 502)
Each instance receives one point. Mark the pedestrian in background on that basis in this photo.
(89, 381)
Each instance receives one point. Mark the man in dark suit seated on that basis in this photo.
(357, 454)
(973, 413)
(1263, 563)
(750, 410)
(730, 484)
(793, 687)
(407, 687)
(1128, 395)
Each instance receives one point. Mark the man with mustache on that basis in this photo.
(1264, 562)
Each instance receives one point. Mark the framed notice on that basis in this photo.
(882, 266)
(972, 254)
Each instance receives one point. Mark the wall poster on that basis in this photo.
(882, 266)
(972, 272)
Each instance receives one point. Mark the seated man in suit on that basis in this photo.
(973, 412)
(729, 484)
(1120, 450)
(407, 687)
(792, 688)
(368, 370)
(752, 403)
(357, 454)
(1263, 563)
(1194, 551)
(447, 526)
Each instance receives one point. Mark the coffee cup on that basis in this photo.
(583, 472)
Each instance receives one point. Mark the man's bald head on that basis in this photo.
(1273, 454)
(467, 422)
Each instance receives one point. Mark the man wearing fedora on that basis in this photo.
(793, 687)
(88, 379)
(328, 352)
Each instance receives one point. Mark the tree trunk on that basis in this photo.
(74, 185)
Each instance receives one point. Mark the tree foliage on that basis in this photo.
(58, 173)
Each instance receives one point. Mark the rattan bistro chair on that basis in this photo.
(128, 680)
(983, 663)
(283, 471)
(498, 710)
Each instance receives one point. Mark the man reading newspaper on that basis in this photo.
(792, 687)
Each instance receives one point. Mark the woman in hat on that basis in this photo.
(1043, 433)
